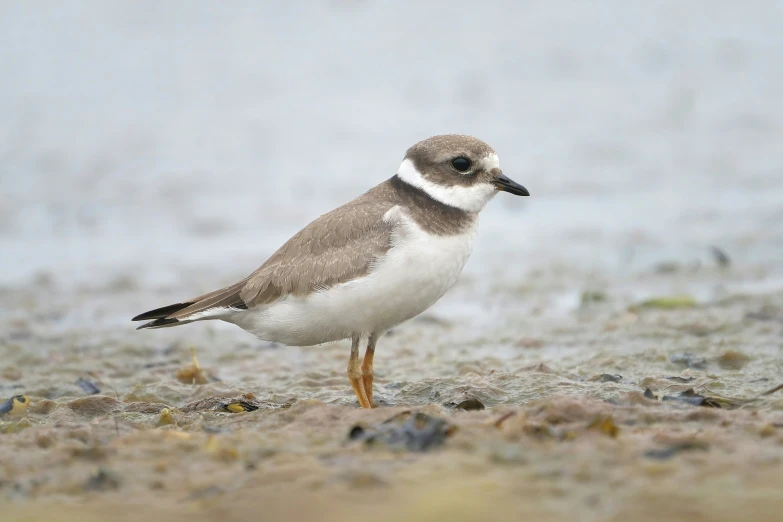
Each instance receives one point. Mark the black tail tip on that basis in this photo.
(160, 313)
(157, 323)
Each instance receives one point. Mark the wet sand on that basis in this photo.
(567, 431)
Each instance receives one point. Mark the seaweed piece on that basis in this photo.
(102, 480)
(667, 267)
(89, 387)
(192, 374)
(670, 451)
(588, 297)
(246, 402)
(16, 405)
(681, 380)
(690, 396)
(689, 360)
(672, 302)
(221, 449)
(240, 406)
(503, 418)
(208, 492)
(166, 418)
(766, 313)
(605, 425)
(720, 257)
(773, 390)
(417, 432)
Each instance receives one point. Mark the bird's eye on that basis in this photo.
(461, 164)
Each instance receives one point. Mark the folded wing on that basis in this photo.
(335, 248)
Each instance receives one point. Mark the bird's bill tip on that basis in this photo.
(502, 182)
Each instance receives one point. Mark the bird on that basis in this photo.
(368, 265)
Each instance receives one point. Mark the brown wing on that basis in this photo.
(337, 247)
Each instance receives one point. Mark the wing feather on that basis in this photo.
(337, 247)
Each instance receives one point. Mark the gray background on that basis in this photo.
(148, 140)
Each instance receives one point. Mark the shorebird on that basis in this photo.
(367, 266)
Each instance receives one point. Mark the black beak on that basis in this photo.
(506, 185)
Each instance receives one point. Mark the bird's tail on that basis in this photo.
(214, 305)
(161, 317)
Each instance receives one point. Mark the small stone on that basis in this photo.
(471, 404)
(44, 440)
(12, 373)
(733, 360)
(94, 405)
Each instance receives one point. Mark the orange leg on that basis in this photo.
(355, 374)
(367, 372)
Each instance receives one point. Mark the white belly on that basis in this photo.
(413, 275)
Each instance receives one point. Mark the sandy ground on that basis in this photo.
(149, 153)
(567, 432)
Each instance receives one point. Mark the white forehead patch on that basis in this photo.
(490, 161)
(471, 198)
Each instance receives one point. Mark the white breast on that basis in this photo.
(415, 273)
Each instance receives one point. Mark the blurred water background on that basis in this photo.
(145, 139)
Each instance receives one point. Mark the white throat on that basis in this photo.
(470, 199)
